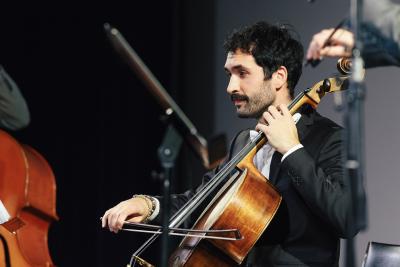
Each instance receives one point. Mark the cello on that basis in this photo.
(247, 201)
(28, 191)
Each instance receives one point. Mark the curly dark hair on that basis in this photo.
(271, 46)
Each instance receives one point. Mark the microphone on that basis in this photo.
(344, 65)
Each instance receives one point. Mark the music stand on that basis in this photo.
(211, 153)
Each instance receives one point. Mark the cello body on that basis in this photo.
(248, 205)
(28, 191)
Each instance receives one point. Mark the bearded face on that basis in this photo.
(253, 105)
(249, 91)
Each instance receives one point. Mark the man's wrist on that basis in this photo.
(151, 204)
(156, 210)
(291, 150)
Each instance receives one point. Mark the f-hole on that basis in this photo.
(6, 252)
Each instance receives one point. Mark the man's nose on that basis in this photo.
(233, 86)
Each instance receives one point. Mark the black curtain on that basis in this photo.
(92, 119)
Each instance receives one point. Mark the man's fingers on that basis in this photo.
(104, 219)
(115, 217)
(317, 43)
(261, 127)
(284, 110)
(120, 221)
(313, 50)
(339, 45)
(335, 51)
(343, 37)
(274, 112)
(268, 118)
(110, 219)
(115, 228)
(136, 219)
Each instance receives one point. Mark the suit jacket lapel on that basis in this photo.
(305, 121)
(275, 167)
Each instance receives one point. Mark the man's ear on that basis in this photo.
(279, 77)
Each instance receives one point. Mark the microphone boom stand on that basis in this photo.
(167, 153)
(354, 124)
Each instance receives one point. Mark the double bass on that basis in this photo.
(28, 191)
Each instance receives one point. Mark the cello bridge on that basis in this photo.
(142, 262)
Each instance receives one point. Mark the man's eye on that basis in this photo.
(228, 74)
(242, 73)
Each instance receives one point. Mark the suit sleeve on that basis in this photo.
(320, 182)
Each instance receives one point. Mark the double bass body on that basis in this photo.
(28, 191)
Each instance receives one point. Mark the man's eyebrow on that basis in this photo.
(236, 67)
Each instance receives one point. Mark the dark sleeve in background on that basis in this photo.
(14, 112)
(380, 33)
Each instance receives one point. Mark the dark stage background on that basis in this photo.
(93, 120)
(99, 128)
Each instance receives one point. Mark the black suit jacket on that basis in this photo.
(316, 208)
(315, 211)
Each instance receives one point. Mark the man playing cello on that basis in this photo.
(302, 158)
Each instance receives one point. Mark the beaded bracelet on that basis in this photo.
(151, 205)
